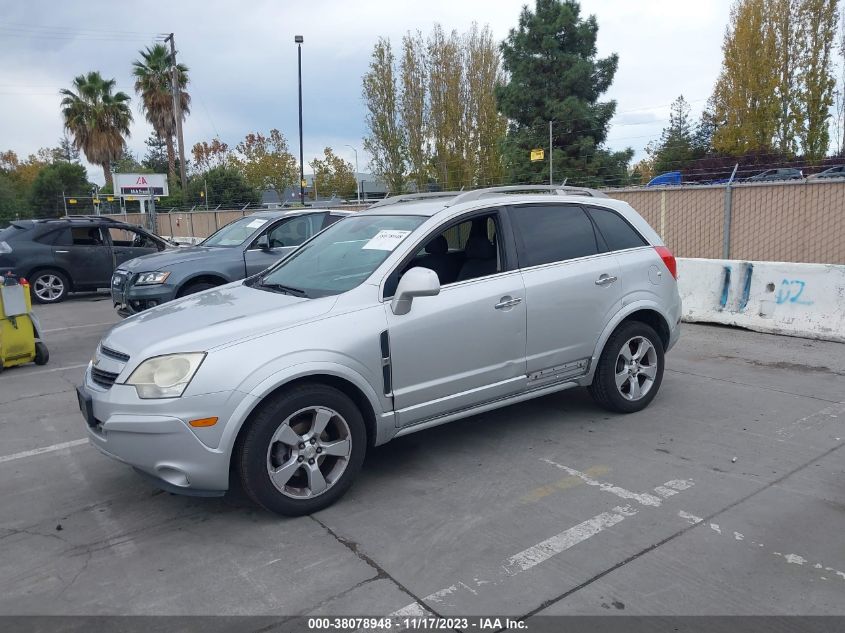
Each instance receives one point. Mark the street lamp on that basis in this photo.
(298, 39)
(357, 182)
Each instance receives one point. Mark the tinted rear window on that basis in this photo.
(552, 233)
(615, 230)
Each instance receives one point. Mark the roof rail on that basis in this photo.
(561, 190)
(407, 197)
(102, 218)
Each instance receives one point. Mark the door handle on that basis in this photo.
(606, 280)
(507, 302)
(63, 251)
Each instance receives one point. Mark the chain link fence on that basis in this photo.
(782, 221)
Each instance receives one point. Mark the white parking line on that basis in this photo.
(641, 498)
(528, 558)
(43, 371)
(76, 327)
(544, 550)
(42, 450)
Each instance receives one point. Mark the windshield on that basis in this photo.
(235, 233)
(341, 257)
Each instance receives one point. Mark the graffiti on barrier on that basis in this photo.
(790, 291)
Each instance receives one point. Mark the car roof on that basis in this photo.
(282, 213)
(429, 205)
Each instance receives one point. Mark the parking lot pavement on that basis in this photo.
(726, 496)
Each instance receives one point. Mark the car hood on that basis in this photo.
(210, 319)
(173, 257)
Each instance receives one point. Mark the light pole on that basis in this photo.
(298, 39)
(357, 184)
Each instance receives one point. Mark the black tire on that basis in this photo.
(194, 288)
(604, 389)
(251, 451)
(42, 355)
(55, 279)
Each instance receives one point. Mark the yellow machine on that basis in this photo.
(19, 337)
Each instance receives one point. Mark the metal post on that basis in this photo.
(153, 223)
(299, 39)
(550, 154)
(191, 216)
(726, 229)
(177, 111)
(357, 187)
(205, 185)
(64, 200)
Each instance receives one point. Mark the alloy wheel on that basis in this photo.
(636, 368)
(48, 287)
(309, 452)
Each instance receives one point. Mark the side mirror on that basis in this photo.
(263, 242)
(417, 282)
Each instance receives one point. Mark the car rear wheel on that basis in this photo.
(49, 286)
(630, 369)
(302, 450)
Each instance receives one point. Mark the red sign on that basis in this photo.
(141, 181)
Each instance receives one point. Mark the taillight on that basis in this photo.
(668, 259)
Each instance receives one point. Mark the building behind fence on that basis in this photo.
(792, 221)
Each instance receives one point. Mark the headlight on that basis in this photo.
(146, 279)
(5, 249)
(165, 376)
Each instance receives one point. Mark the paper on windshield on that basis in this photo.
(256, 223)
(385, 240)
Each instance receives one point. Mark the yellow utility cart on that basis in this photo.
(19, 331)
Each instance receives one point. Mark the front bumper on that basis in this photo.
(129, 299)
(154, 437)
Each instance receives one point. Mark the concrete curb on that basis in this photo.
(806, 300)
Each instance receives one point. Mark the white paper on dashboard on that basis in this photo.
(256, 223)
(385, 240)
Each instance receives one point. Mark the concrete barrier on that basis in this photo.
(806, 300)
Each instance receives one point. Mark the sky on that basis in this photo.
(243, 69)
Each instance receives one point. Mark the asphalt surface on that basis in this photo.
(726, 496)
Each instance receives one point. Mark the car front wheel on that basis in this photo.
(630, 369)
(302, 450)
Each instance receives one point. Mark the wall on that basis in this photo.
(778, 297)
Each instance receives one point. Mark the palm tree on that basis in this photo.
(97, 120)
(153, 83)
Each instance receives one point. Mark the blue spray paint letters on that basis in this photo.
(790, 291)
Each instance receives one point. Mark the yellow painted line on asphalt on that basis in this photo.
(563, 484)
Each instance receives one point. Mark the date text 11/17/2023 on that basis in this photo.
(416, 623)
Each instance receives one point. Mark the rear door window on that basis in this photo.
(617, 233)
(87, 236)
(547, 233)
(295, 231)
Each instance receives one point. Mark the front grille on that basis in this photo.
(111, 353)
(103, 378)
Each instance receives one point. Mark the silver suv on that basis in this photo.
(421, 310)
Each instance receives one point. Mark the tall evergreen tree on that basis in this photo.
(156, 157)
(554, 75)
(675, 148)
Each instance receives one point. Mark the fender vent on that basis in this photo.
(386, 375)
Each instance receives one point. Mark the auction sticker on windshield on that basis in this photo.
(385, 240)
(256, 223)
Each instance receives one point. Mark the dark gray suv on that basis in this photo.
(240, 249)
(73, 253)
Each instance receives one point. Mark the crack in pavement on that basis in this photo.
(381, 571)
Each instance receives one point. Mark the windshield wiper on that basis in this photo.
(290, 290)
